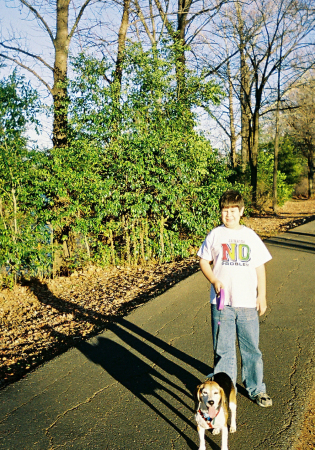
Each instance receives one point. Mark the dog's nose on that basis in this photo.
(211, 402)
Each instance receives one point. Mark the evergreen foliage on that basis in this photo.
(136, 184)
(151, 182)
(21, 231)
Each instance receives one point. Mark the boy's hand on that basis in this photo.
(261, 305)
(218, 286)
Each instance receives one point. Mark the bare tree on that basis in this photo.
(224, 115)
(286, 28)
(243, 36)
(60, 35)
(182, 21)
(301, 125)
(270, 37)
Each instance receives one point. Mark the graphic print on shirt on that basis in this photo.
(235, 253)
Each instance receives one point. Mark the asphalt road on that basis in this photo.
(131, 387)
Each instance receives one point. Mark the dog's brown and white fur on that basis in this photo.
(213, 398)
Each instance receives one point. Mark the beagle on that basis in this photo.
(212, 400)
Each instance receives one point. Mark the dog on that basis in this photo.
(213, 398)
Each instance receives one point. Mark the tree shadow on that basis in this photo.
(292, 244)
(301, 234)
(142, 363)
(146, 381)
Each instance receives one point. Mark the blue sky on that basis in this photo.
(11, 23)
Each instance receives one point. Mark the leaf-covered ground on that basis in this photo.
(41, 319)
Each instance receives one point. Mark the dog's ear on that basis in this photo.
(197, 395)
(198, 391)
(223, 397)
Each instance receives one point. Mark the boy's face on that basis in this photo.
(231, 216)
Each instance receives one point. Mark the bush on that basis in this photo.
(137, 182)
(265, 182)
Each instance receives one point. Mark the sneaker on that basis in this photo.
(263, 399)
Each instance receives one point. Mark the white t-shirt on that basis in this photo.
(235, 255)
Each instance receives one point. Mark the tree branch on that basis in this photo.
(85, 4)
(206, 108)
(142, 19)
(206, 10)
(40, 18)
(27, 53)
(214, 70)
(166, 22)
(287, 108)
(29, 70)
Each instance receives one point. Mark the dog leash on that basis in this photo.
(220, 298)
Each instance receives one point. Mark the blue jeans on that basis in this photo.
(242, 323)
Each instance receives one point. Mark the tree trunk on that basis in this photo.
(244, 92)
(245, 111)
(179, 38)
(232, 124)
(253, 155)
(14, 213)
(2, 214)
(276, 150)
(310, 173)
(15, 230)
(245, 133)
(60, 95)
(275, 167)
(118, 74)
(121, 46)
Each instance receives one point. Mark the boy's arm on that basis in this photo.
(261, 302)
(208, 273)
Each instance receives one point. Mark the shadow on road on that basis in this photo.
(301, 234)
(292, 244)
(142, 376)
(144, 364)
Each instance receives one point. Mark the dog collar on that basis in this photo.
(209, 420)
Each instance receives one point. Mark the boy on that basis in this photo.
(238, 256)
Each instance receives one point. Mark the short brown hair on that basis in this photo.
(231, 198)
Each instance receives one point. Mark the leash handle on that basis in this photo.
(220, 300)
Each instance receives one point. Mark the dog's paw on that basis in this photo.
(232, 429)
(216, 431)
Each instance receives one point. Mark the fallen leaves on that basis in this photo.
(42, 319)
(291, 215)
